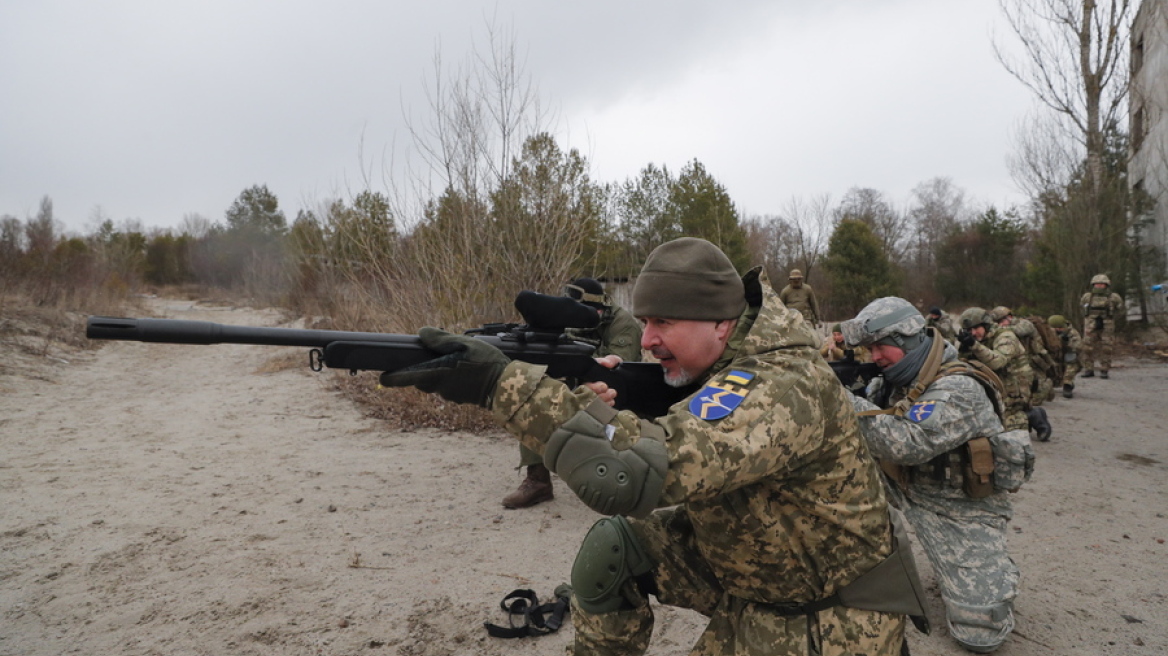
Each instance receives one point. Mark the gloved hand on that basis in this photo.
(466, 372)
(966, 340)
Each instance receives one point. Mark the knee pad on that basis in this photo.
(981, 629)
(610, 556)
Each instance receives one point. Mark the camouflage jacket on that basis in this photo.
(951, 411)
(801, 299)
(1040, 358)
(1072, 341)
(1107, 304)
(786, 501)
(944, 325)
(1008, 358)
(619, 333)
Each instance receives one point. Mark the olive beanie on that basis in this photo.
(689, 278)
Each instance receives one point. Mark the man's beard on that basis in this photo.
(679, 379)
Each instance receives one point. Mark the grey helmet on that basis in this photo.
(889, 319)
(974, 317)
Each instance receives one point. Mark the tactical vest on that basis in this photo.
(982, 464)
(1100, 305)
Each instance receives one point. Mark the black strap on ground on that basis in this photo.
(527, 618)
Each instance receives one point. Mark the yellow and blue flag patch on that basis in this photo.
(722, 396)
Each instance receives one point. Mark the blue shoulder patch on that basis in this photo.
(721, 396)
(921, 411)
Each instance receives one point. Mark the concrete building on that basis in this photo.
(1148, 127)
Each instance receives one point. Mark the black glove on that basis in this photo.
(466, 372)
(966, 340)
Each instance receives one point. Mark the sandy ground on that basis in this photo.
(161, 499)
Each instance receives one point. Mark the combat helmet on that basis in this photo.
(1100, 278)
(1057, 321)
(999, 313)
(974, 317)
(890, 319)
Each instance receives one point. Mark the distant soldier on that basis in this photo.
(999, 349)
(835, 348)
(1040, 363)
(618, 333)
(941, 320)
(1072, 346)
(799, 296)
(1100, 308)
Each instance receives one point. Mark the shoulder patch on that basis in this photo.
(921, 411)
(719, 398)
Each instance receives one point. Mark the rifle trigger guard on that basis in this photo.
(316, 360)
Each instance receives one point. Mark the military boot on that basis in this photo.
(1039, 423)
(536, 488)
(1103, 374)
(1090, 373)
(1068, 391)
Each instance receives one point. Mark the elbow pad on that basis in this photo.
(609, 481)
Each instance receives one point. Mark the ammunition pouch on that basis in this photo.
(977, 468)
(1099, 323)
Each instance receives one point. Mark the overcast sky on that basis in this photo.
(152, 110)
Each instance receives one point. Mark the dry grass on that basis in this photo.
(406, 409)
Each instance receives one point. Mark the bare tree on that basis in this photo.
(1075, 61)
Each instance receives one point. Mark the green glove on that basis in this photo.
(466, 372)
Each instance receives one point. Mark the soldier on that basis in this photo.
(754, 501)
(1040, 363)
(799, 296)
(1101, 306)
(921, 418)
(834, 348)
(1072, 345)
(941, 320)
(1005, 355)
(619, 334)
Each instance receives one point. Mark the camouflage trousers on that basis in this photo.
(1042, 389)
(1015, 412)
(1070, 370)
(682, 577)
(527, 457)
(1098, 343)
(965, 540)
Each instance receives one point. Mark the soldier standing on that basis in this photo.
(1072, 346)
(999, 349)
(799, 296)
(619, 334)
(923, 417)
(754, 501)
(1101, 306)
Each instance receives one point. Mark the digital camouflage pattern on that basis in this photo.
(619, 333)
(801, 299)
(780, 500)
(964, 538)
(1101, 307)
(1001, 351)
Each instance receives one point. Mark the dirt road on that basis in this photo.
(160, 499)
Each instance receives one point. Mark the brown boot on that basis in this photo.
(536, 488)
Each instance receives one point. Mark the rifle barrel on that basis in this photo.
(181, 331)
